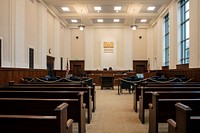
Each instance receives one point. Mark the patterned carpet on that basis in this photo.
(114, 114)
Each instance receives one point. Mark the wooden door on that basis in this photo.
(77, 67)
(50, 65)
(140, 66)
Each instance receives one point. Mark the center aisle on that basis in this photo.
(114, 114)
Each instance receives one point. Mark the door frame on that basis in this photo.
(77, 62)
(140, 63)
(50, 60)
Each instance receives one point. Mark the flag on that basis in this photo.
(148, 66)
(67, 67)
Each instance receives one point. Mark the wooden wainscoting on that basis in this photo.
(15, 74)
(190, 73)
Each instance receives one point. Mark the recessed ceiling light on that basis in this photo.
(100, 20)
(117, 8)
(65, 9)
(97, 8)
(74, 21)
(143, 20)
(151, 8)
(116, 20)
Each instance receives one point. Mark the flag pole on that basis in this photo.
(67, 68)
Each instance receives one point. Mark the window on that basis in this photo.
(184, 32)
(166, 40)
(31, 58)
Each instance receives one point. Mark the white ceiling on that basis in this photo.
(132, 11)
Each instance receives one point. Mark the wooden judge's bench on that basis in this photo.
(108, 77)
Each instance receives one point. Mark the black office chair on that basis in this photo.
(125, 84)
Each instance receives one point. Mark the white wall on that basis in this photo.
(140, 44)
(154, 38)
(127, 47)
(5, 32)
(25, 25)
(194, 34)
(77, 44)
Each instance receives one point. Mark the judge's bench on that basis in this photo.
(108, 78)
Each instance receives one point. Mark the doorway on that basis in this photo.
(77, 67)
(140, 66)
(50, 65)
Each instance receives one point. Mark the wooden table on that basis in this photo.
(107, 81)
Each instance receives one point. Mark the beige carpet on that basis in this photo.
(114, 114)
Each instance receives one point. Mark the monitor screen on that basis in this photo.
(140, 75)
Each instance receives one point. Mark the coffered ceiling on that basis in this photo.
(131, 12)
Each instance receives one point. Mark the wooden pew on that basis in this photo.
(162, 107)
(137, 88)
(14, 119)
(187, 118)
(87, 93)
(76, 109)
(63, 84)
(146, 96)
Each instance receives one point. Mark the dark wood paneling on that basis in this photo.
(60, 73)
(96, 75)
(77, 67)
(182, 66)
(15, 74)
(165, 67)
(189, 73)
(50, 65)
(140, 66)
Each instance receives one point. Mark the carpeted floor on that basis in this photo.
(114, 114)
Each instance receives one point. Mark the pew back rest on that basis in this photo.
(29, 106)
(34, 123)
(163, 102)
(185, 122)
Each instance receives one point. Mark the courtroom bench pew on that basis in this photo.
(60, 84)
(146, 97)
(137, 88)
(162, 107)
(187, 118)
(87, 93)
(76, 108)
(13, 118)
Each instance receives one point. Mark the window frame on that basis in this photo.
(184, 32)
(166, 40)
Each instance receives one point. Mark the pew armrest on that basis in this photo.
(171, 126)
(84, 106)
(150, 106)
(70, 126)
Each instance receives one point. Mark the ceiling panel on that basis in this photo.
(107, 8)
(70, 6)
(108, 20)
(132, 11)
